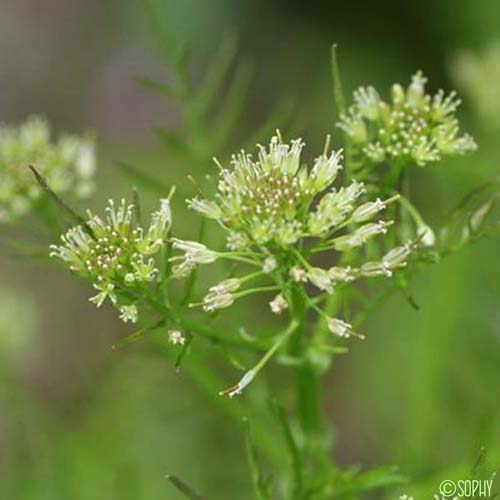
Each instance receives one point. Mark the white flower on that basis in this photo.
(175, 337)
(106, 290)
(298, 274)
(237, 241)
(368, 102)
(128, 313)
(278, 304)
(270, 264)
(413, 127)
(325, 170)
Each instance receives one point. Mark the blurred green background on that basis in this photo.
(81, 421)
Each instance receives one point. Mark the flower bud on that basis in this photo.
(208, 209)
(344, 274)
(396, 257)
(320, 278)
(270, 264)
(229, 285)
(278, 304)
(298, 274)
(216, 300)
(426, 235)
(342, 329)
(368, 210)
(373, 269)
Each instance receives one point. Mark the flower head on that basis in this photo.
(413, 128)
(279, 214)
(115, 253)
(67, 165)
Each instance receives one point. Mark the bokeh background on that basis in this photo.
(79, 420)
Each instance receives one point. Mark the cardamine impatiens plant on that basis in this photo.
(301, 238)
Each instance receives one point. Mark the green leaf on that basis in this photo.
(215, 76)
(297, 464)
(155, 87)
(173, 142)
(147, 181)
(261, 485)
(233, 105)
(138, 335)
(382, 477)
(186, 490)
(338, 92)
(58, 201)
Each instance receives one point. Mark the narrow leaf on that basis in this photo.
(233, 105)
(147, 181)
(186, 490)
(172, 142)
(72, 215)
(155, 87)
(257, 479)
(292, 446)
(338, 92)
(215, 76)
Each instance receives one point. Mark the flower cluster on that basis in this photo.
(479, 76)
(116, 254)
(67, 165)
(279, 215)
(413, 128)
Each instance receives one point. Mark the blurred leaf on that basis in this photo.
(338, 92)
(261, 485)
(233, 105)
(278, 118)
(155, 87)
(382, 477)
(215, 76)
(184, 488)
(173, 142)
(139, 335)
(145, 180)
(297, 465)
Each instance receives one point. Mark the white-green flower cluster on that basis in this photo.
(414, 127)
(67, 165)
(279, 214)
(116, 254)
(479, 76)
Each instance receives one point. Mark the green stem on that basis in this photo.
(307, 377)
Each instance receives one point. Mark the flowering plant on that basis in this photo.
(302, 237)
(68, 166)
